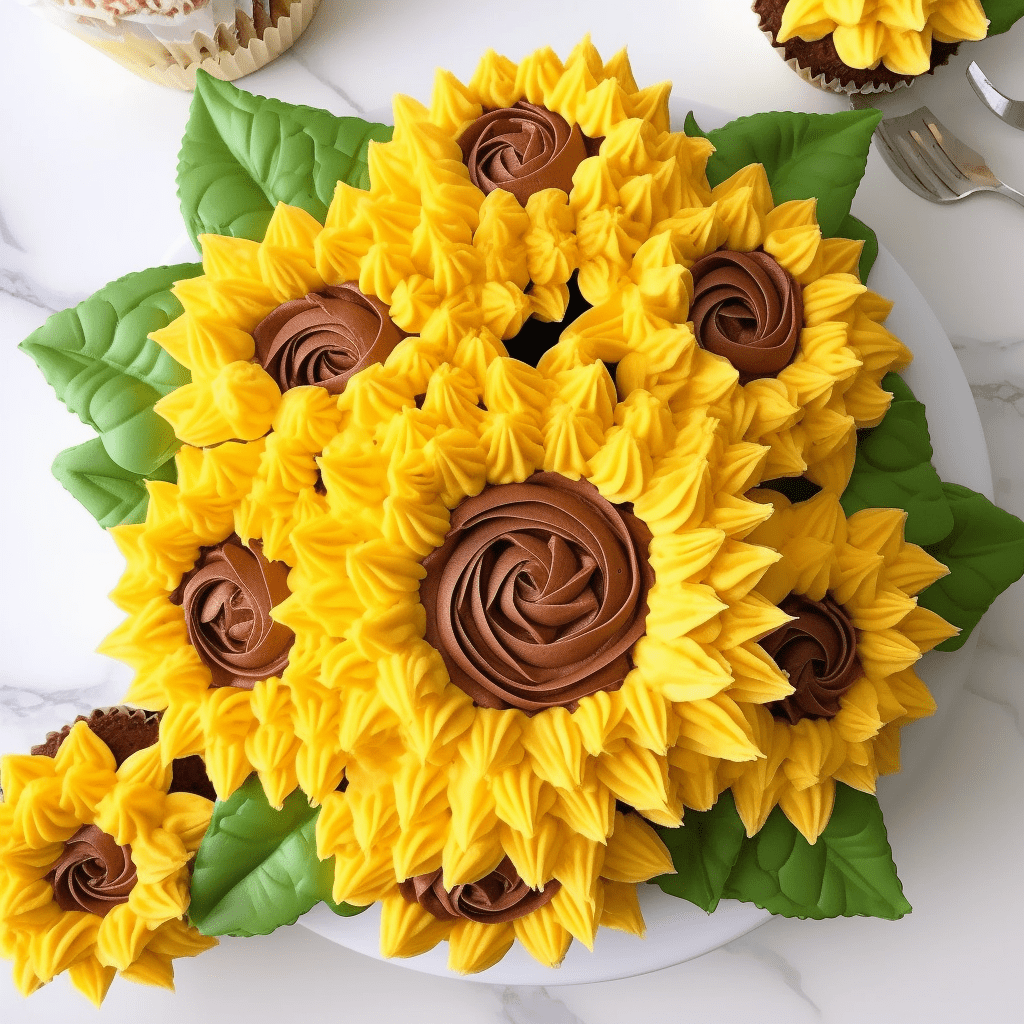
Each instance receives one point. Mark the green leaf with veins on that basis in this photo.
(820, 156)
(101, 363)
(984, 551)
(703, 851)
(894, 469)
(257, 867)
(112, 495)
(243, 154)
(848, 872)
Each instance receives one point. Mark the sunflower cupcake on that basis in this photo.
(865, 46)
(95, 846)
(849, 650)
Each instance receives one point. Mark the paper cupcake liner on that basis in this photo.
(228, 54)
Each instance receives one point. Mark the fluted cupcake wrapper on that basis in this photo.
(230, 52)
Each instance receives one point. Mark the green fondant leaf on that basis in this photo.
(854, 228)
(984, 551)
(806, 156)
(1002, 14)
(894, 469)
(703, 852)
(100, 361)
(694, 130)
(110, 494)
(243, 154)
(848, 872)
(257, 867)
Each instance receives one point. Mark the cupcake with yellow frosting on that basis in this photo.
(869, 45)
(97, 834)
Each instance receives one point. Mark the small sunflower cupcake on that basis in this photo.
(96, 838)
(865, 46)
(757, 298)
(199, 634)
(855, 632)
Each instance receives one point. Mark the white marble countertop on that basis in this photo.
(87, 194)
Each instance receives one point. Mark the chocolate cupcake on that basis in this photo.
(879, 52)
(126, 731)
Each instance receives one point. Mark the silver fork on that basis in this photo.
(1011, 111)
(931, 161)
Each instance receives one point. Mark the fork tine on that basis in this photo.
(938, 160)
(899, 166)
(910, 148)
(969, 164)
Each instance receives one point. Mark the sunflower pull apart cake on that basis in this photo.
(515, 552)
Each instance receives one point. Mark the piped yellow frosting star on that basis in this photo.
(850, 650)
(65, 818)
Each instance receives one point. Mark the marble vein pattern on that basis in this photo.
(957, 841)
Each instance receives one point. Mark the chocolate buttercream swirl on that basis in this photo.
(748, 308)
(500, 896)
(538, 593)
(819, 651)
(522, 149)
(93, 873)
(227, 596)
(325, 338)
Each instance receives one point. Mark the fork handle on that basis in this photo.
(1011, 193)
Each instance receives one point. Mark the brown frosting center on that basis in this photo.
(93, 873)
(325, 338)
(819, 651)
(748, 308)
(500, 896)
(522, 149)
(227, 597)
(538, 593)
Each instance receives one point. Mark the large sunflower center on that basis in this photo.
(92, 874)
(819, 651)
(538, 593)
(227, 597)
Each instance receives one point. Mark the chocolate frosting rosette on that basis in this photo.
(855, 633)
(95, 846)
